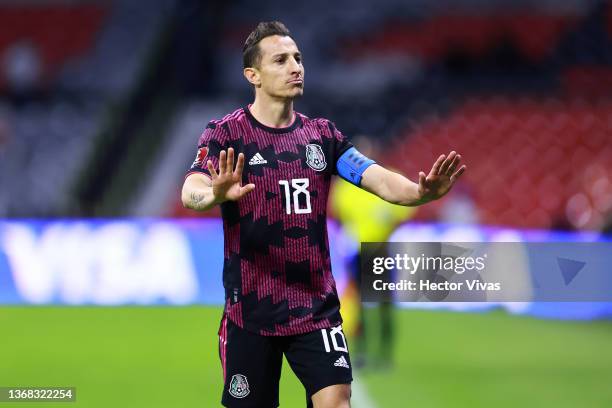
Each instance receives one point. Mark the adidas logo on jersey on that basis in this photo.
(341, 362)
(257, 159)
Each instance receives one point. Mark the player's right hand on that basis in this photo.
(227, 183)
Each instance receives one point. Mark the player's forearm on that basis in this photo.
(197, 193)
(400, 190)
(391, 187)
(199, 199)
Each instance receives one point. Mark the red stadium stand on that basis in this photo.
(593, 80)
(534, 35)
(58, 32)
(532, 163)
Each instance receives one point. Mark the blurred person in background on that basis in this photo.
(270, 170)
(371, 220)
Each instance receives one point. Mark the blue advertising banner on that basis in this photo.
(115, 262)
(177, 262)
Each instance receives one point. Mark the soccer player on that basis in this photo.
(270, 168)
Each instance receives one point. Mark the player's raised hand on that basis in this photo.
(227, 183)
(441, 178)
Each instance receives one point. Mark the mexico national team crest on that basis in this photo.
(315, 158)
(239, 386)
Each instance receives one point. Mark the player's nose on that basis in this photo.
(295, 67)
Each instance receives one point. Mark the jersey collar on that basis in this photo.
(296, 122)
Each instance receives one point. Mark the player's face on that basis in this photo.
(281, 72)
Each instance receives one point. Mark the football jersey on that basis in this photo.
(277, 270)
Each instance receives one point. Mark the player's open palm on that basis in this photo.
(441, 178)
(227, 183)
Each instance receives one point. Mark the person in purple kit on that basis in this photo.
(270, 168)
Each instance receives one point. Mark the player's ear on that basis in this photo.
(252, 75)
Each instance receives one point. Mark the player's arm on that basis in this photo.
(201, 192)
(391, 186)
(197, 193)
(397, 189)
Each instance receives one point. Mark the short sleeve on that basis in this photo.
(341, 144)
(210, 144)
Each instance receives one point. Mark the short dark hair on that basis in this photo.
(251, 55)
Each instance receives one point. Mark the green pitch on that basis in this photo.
(445, 359)
(167, 357)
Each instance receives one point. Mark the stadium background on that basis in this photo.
(101, 104)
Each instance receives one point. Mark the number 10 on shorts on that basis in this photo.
(334, 335)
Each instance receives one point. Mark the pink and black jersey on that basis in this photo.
(277, 270)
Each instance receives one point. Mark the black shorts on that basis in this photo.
(252, 363)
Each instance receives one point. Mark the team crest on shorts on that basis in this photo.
(239, 386)
(315, 159)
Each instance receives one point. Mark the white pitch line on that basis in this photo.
(360, 397)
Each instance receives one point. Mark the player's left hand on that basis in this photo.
(441, 178)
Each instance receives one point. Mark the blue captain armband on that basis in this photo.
(352, 164)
